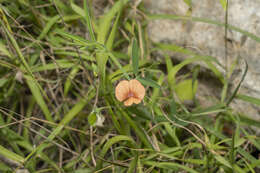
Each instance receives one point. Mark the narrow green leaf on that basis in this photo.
(249, 121)
(148, 82)
(222, 160)
(20, 55)
(136, 128)
(209, 110)
(68, 82)
(79, 40)
(29, 111)
(104, 26)
(173, 107)
(78, 10)
(17, 48)
(249, 99)
(7, 65)
(3, 81)
(67, 118)
(84, 170)
(133, 165)
(188, 2)
(173, 113)
(168, 62)
(11, 155)
(239, 84)
(84, 54)
(170, 165)
(175, 69)
(71, 114)
(112, 35)
(224, 4)
(185, 89)
(59, 64)
(5, 51)
(105, 22)
(195, 57)
(135, 56)
(5, 168)
(114, 140)
(92, 118)
(172, 132)
(88, 20)
(110, 142)
(38, 97)
(114, 118)
(239, 142)
(48, 26)
(4, 20)
(121, 69)
(156, 91)
(139, 166)
(224, 91)
(141, 112)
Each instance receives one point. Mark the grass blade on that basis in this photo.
(112, 35)
(238, 86)
(38, 97)
(12, 156)
(135, 56)
(249, 99)
(68, 82)
(88, 20)
(170, 166)
(133, 165)
(110, 142)
(48, 26)
(148, 82)
(67, 118)
(104, 27)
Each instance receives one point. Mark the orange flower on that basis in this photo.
(130, 92)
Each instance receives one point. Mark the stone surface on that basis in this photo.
(208, 39)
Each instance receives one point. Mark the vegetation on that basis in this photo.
(60, 63)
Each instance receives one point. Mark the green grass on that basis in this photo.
(59, 66)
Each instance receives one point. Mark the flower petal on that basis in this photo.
(137, 88)
(122, 90)
(136, 100)
(129, 101)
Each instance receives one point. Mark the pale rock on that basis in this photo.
(208, 39)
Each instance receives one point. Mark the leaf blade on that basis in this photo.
(135, 56)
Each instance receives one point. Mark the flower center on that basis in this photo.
(130, 94)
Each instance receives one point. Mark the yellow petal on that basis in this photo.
(137, 88)
(122, 90)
